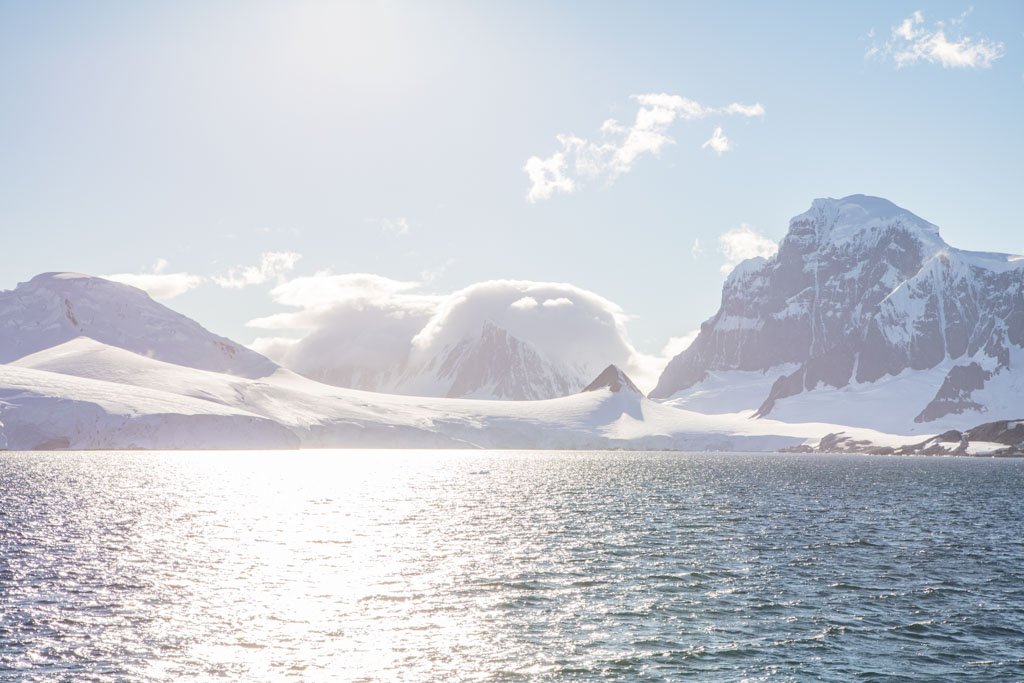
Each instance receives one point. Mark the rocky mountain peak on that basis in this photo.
(614, 379)
(861, 290)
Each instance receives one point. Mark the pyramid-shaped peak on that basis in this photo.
(614, 379)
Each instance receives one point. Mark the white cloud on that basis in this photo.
(318, 295)
(569, 325)
(273, 265)
(742, 243)
(748, 110)
(428, 275)
(524, 304)
(718, 142)
(676, 345)
(621, 146)
(611, 126)
(275, 348)
(911, 42)
(158, 283)
(353, 329)
(399, 227)
(547, 176)
(363, 330)
(697, 249)
(647, 368)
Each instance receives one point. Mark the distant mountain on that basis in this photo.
(864, 316)
(53, 308)
(487, 362)
(491, 364)
(93, 364)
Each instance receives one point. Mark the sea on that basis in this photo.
(509, 566)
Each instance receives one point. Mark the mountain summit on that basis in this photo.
(53, 308)
(614, 379)
(493, 364)
(862, 293)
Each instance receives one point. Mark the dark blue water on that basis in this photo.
(514, 566)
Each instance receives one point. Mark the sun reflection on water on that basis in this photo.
(523, 566)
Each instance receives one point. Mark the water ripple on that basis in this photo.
(511, 566)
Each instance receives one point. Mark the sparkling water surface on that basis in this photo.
(509, 566)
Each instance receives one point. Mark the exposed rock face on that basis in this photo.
(614, 379)
(954, 396)
(861, 289)
(1007, 432)
(1000, 438)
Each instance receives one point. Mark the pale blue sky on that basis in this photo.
(207, 133)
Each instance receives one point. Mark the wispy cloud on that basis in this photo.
(158, 283)
(697, 249)
(911, 42)
(718, 142)
(620, 146)
(428, 275)
(647, 367)
(399, 227)
(272, 266)
(741, 243)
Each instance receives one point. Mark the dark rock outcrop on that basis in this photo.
(614, 379)
(1009, 433)
(954, 396)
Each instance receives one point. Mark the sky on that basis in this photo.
(227, 155)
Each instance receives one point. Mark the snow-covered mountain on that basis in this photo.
(489, 364)
(864, 322)
(865, 316)
(85, 394)
(498, 339)
(53, 308)
(93, 364)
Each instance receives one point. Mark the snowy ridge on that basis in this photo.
(85, 394)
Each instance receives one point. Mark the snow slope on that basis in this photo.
(53, 308)
(45, 410)
(130, 400)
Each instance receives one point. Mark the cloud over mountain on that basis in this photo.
(744, 242)
(372, 332)
(158, 283)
